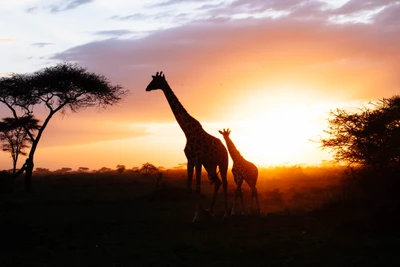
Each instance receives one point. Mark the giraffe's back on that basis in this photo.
(206, 149)
(245, 170)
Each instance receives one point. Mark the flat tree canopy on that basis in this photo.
(369, 137)
(61, 88)
(148, 169)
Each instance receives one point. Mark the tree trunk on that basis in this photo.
(28, 176)
(14, 167)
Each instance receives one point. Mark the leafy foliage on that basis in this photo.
(104, 170)
(71, 86)
(83, 169)
(63, 170)
(42, 171)
(121, 168)
(369, 137)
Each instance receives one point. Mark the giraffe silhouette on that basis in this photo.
(202, 149)
(242, 170)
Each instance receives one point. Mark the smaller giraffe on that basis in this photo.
(242, 170)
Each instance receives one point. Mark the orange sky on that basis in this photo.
(271, 80)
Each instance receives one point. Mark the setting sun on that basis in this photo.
(277, 128)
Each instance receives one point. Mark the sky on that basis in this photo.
(270, 70)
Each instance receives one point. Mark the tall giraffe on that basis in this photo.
(202, 149)
(242, 170)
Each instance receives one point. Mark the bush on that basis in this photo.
(6, 182)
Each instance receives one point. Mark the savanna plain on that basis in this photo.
(310, 217)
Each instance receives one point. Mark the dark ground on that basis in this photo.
(121, 221)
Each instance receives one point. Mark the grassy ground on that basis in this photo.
(117, 220)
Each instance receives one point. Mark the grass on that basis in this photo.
(124, 220)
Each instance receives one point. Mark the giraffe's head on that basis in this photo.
(158, 82)
(225, 133)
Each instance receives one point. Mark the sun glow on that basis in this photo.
(277, 128)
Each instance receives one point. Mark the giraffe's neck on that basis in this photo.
(188, 124)
(235, 154)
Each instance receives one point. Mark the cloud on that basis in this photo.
(135, 16)
(357, 6)
(213, 62)
(315, 10)
(162, 13)
(6, 40)
(389, 18)
(122, 33)
(169, 17)
(114, 32)
(211, 6)
(62, 6)
(41, 44)
(177, 2)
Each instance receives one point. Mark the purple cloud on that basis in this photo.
(41, 44)
(114, 32)
(61, 6)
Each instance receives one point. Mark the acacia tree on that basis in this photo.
(368, 137)
(42, 171)
(148, 169)
(121, 168)
(14, 137)
(61, 88)
(63, 170)
(83, 169)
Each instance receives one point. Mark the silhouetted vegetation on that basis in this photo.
(63, 170)
(42, 171)
(83, 169)
(148, 169)
(368, 141)
(6, 182)
(368, 137)
(62, 88)
(121, 168)
(104, 170)
(14, 136)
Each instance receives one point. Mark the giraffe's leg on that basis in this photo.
(198, 180)
(190, 167)
(252, 196)
(241, 199)
(255, 195)
(217, 185)
(234, 202)
(238, 194)
(223, 170)
(212, 172)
